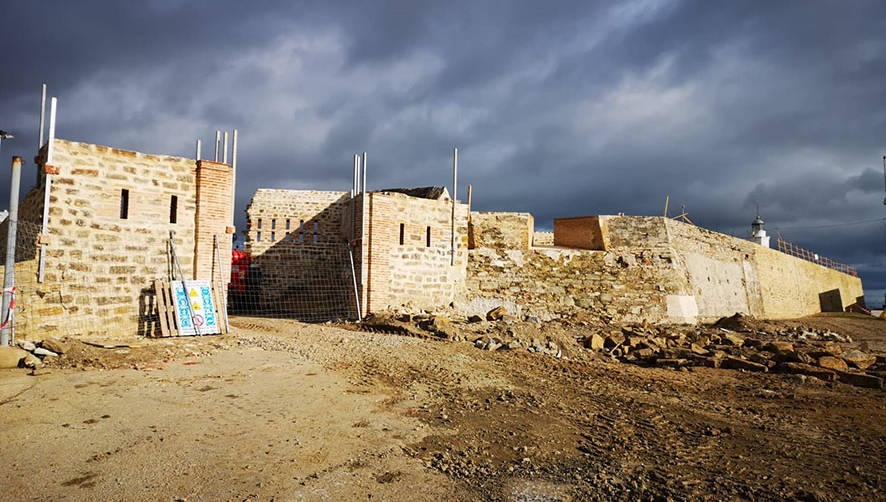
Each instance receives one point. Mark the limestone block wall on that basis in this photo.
(100, 262)
(654, 269)
(727, 273)
(501, 229)
(542, 238)
(415, 272)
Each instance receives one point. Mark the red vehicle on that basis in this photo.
(239, 271)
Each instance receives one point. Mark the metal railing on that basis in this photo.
(805, 254)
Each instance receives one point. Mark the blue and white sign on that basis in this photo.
(194, 310)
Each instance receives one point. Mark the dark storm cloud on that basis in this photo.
(560, 109)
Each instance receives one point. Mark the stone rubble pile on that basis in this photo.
(812, 353)
(29, 354)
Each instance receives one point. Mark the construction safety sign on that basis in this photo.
(194, 309)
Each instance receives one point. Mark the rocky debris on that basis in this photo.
(815, 354)
(32, 354)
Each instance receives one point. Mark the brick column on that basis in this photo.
(214, 186)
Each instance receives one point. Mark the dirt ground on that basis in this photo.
(281, 410)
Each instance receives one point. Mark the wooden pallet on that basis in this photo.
(165, 308)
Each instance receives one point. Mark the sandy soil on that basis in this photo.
(281, 411)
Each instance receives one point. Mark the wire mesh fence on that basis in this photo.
(107, 286)
(805, 254)
(304, 281)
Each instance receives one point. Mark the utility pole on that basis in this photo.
(9, 270)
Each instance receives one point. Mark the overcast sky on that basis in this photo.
(558, 108)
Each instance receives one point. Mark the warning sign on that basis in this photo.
(194, 310)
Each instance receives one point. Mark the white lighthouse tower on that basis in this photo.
(758, 234)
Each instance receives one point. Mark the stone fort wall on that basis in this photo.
(652, 268)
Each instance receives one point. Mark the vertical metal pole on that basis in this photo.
(9, 270)
(354, 198)
(51, 148)
(364, 243)
(354, 276)
(454, 195)
(42, 117)
(225, 151)
(222, 290)
(233, 178)
(217, 144)
(50, 158)
(199, 150)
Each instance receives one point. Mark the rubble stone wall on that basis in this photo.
(501, 229)
(654, 269)
(100, 267)
(413, 275)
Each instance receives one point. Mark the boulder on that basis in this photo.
(859, 359)
(808, 369)
(55, 345)
(779, 346)
(615, 338)
(832, 363)
(26, 345)
(594, 342)
(496, 313)
(860, 380)
(733, 339)
(737, 363)
(31, 361)
(45, 352)
(10, 357)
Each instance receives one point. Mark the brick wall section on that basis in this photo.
(584, 232)
(99, 267)
(213, 215)
(413, 276)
